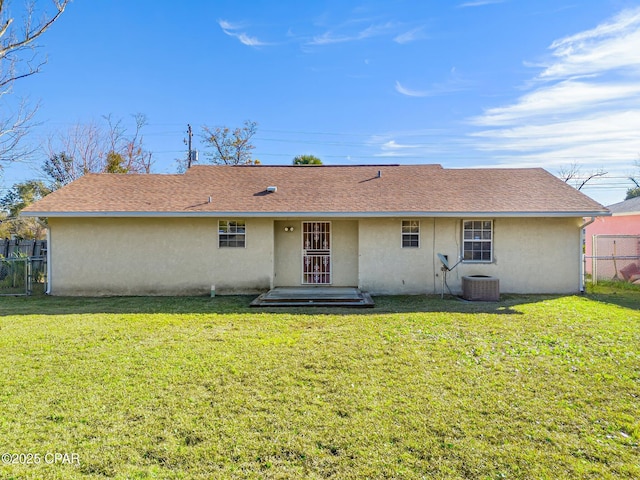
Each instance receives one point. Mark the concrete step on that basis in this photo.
(314, 297)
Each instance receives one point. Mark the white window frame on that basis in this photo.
(231, 229)
(477, 236)
(404, 234)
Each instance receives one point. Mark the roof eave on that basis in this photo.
(453, 214)
(625, 214)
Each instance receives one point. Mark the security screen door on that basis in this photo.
(316, 253)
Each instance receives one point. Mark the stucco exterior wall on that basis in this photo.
(530, 255)
(165, 256)
(156, 256)
(386, 267)
(533, 255)
(288, 253)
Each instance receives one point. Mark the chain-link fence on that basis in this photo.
(20, 275)
(615, 257)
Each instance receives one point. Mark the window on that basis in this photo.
(477, 240)
(231, 233)
(410, 233)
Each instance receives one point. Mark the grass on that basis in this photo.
(179, 388)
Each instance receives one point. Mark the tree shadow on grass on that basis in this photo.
(629, 300)
(619, 293)
(239, 304)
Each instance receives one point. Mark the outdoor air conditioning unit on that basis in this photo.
(481, 288)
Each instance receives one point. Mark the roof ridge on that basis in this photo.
(433, 165)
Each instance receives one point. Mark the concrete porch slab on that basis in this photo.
(313, 296)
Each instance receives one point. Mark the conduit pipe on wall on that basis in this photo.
(582, 254)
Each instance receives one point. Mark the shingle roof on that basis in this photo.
(326, 190)
(628, 207)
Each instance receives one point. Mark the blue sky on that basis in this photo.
(469, 83)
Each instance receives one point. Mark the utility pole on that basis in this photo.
(189, 137)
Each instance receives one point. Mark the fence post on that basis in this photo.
(594, 256)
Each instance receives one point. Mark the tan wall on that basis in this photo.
(163, 256)
(288, 249)
(156, 256)
(247, 270)
(531, 255)
(386, 267)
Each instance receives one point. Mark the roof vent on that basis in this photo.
(272, 189)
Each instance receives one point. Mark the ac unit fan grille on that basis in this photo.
(481, 288)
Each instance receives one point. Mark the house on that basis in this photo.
(624, 220)
(617, 236)
(246, 229)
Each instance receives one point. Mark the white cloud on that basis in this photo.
(606, 141)
(250, 41)
(564, 97)
(583, 106)
(479, 3)
(330, 37)
(453, 83)
(418, 145)
(231, 29)
(611, 46)
(393, 145)
(408, 92)
(225, 25)
(611, 127)
(410, 36)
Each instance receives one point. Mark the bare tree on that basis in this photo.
(231, 147)
(97, 148)
(135, 158)
(19, 60)
(573, 174)
(83, 148)
(634, 192)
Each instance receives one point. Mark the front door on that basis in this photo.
(316, 253)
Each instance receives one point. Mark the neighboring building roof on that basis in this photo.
(420, 190)
(628, 207)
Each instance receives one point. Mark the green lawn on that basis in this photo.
(188, 388)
